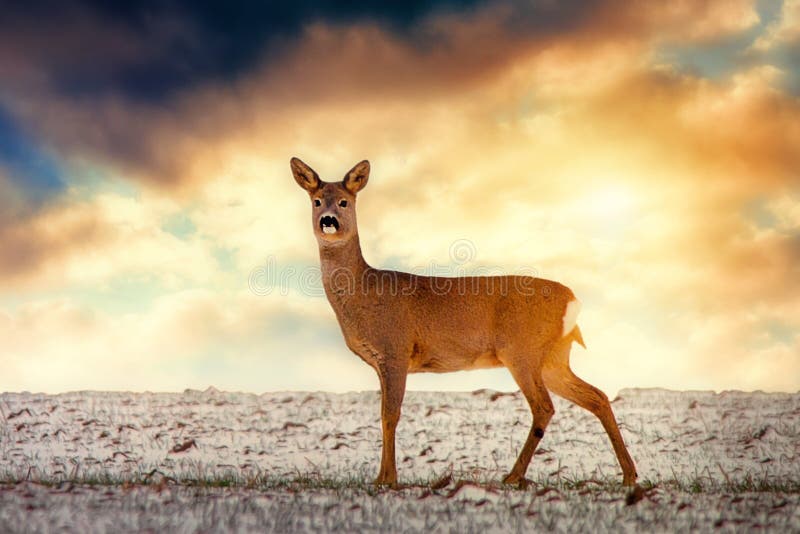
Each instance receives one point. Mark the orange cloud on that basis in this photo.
(27, 245)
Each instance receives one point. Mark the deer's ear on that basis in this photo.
(356, 178)
(305, 175)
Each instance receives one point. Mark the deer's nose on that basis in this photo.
(329, 224)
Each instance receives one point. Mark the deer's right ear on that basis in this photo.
(304, 175)
(356, 178)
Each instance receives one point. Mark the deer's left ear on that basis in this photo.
(304, 175)
(356, 179)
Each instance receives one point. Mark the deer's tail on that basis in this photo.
(577, 337)
(570, 322)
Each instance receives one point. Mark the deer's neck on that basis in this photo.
(343, 269)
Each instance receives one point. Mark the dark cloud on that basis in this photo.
(105, 81)
(151, 50)
(143, 86)
(109, 83)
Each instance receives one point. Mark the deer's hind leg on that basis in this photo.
(528, 377)
(559, 378)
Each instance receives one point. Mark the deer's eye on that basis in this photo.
(342, 203)
(317, 202)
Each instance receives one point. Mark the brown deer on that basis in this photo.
(402, 323)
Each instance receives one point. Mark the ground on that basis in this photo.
(215, 461)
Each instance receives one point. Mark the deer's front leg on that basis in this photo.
(393, 388)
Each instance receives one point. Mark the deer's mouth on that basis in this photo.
(328, 224)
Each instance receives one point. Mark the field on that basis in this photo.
(216, 461)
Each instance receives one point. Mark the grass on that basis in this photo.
(348, 501)
(445, 482)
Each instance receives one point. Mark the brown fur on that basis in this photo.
(401, 323)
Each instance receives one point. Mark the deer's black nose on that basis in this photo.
(328, 224)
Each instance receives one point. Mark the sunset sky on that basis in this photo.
(646, 154)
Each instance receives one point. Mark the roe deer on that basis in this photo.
(401, 323)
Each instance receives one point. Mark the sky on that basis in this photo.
(645, 154)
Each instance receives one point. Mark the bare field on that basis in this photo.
(215, 461)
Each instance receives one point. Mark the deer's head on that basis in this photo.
(333, 204)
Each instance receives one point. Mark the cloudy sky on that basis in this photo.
(646, 154)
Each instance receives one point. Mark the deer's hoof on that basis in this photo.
(629, 479)
(513, 479)
(382, 482)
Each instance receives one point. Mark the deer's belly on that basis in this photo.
(446, 362)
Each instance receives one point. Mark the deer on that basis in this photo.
(400, 323)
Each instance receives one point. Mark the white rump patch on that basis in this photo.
(571, 316)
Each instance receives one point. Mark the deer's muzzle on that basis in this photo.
(328, 224)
